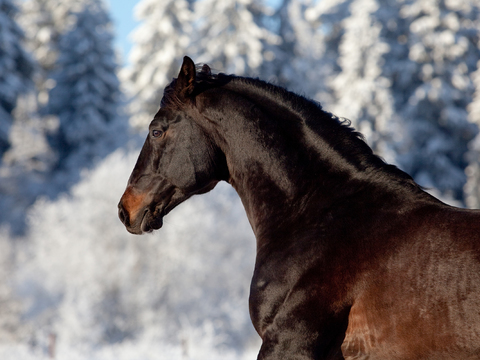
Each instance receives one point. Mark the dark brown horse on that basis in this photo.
(354, 259)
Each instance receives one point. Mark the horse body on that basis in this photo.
(354, 260)
(422, 300)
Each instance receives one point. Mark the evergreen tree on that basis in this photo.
(86, 95)
(406, 79)
(434, 51)
(43, 22)
(160, 42)
(295, 62)
(276, 66)
(327, 20)
(30, 156)
(291, 61)
(362, 92)
(16, 69)
(42, 28)
(232, 38)
(472, 188)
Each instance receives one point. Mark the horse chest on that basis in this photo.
(285, 280)
(267, 296)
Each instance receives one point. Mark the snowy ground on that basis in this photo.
(129, 351)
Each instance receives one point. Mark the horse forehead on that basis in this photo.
(162, 115)
(167, 116)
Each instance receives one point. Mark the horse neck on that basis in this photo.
(281, 166)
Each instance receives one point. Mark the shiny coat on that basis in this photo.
(354, 260)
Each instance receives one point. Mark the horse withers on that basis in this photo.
(354, 260)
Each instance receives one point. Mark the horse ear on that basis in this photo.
(186, 78)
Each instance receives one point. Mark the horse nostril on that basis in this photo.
(122, 214)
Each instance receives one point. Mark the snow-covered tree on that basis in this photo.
(43, 22)
(326, 18)
(433, 88)
(160, 42)
(276, 56)
(362, 92)
(86, 95)
(230, 35)
(289, 61)
(16, 69)
(42, 28)
(472, 187)
(405, 81)
(304, 59)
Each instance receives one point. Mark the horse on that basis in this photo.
(354, 260)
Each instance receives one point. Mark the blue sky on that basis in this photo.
(121, 12)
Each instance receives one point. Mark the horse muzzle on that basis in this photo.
(136, 213)
(143, 210)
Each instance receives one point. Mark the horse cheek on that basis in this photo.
(181, 171)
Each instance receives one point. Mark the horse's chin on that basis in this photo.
(147, 224)
(151, 223)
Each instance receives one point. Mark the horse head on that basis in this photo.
(178, 159)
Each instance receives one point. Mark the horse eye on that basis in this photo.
(157, 133)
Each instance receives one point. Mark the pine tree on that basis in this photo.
(86, 95)
(160, 42)
(327, 19)
(305, 58)
(43, 22)
(472, 188)
(16, 69)
(233, 39)
(362, 92)
(405, 80)
(292, 61)
(42, 28)
(433, 88)
(30, 156)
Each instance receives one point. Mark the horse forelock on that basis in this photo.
(204, 79)
(169, 96)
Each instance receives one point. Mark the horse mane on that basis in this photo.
(349, 142)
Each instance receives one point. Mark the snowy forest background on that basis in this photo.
(74, 284)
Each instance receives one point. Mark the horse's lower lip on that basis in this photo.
(142, 226)
(144, 223)
(150, 222)
(148, 227)
(134, 231)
